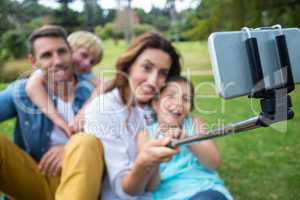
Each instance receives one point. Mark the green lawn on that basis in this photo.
(259, 164)
(195, 54)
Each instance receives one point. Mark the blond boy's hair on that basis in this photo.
(89, 41)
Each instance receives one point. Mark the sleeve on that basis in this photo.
(7, 108)
(107, 126)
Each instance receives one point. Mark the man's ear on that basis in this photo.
(32, 60)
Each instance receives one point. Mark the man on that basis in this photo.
(43, 164)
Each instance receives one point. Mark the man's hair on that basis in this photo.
(46, 31)
(89, 41)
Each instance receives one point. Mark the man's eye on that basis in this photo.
(62, 51)
(46, 55)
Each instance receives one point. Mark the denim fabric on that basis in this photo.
(33, 128)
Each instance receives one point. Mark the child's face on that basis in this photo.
(83, 60)
(174, 104)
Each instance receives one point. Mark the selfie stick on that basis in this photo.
(275, 103)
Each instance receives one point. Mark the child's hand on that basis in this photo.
(77, 124)
(174, 133)
(63, 126)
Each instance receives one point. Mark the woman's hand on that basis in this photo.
(155, 152)
(149, 156)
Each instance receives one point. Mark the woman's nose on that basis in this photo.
(152, 79)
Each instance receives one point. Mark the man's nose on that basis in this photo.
(57, 59)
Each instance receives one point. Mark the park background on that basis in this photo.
(259, 164)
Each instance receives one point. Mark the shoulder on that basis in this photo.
(17, 90)
(106, 102)
(104, 117)
(85, 76)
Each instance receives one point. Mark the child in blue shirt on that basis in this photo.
(191, 173)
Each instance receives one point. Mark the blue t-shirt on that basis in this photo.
(85, 76)
(184, 176)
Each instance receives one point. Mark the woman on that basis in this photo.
(118, 115)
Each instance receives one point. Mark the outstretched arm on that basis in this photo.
(206, 151)
(155, 178)
(7, 107)
(151, 154)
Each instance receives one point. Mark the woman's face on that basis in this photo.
(174, 104)
(148, 74)
(83, 60)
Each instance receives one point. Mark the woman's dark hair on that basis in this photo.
(147, 40)
(183, 80)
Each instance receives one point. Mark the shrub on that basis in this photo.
(12, 70)
(13, 44)
(139, 29)
(109, 31)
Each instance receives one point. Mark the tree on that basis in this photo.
(67, 18)
(92, 14)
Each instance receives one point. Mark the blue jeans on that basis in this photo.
(208, 195)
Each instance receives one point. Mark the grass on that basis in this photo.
(195, 54)
(259, 164)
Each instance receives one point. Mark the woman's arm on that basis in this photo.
(154, 181)
(150, 156)
(206, 151)
(36, 92)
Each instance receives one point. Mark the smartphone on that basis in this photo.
(230, 64)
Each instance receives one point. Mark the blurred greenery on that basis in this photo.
(19, 18)
(259, 164)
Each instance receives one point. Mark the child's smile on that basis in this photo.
(174, 104)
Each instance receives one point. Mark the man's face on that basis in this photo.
(53, 55)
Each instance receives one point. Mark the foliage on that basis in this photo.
(139, 29)
(225, 15)
(13, 44)
(13, 69)
(70, 20)
(157, 17)
(109, 31)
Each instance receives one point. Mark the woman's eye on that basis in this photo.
(146, 67)
(164, 73)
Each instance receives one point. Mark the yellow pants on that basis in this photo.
(80, 178)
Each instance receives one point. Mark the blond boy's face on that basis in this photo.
(83, 60)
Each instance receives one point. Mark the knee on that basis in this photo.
(85, 142)
(3, 142)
